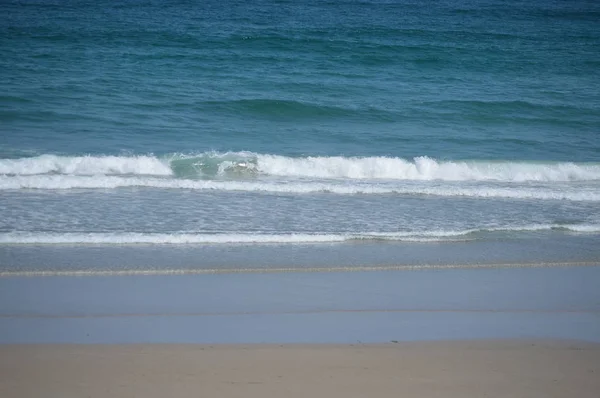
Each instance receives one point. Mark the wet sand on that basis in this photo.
(505, 368)
(557, 303)
(497, 332)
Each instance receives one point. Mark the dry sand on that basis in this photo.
(422, 369)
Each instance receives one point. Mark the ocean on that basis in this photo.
(173, 136)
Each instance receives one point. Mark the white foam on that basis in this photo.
(224, 238)
(59, 182)
(423, 169)
(85, 165)
(584, 228)
(188, 238)
(334, 167)
(180, 238)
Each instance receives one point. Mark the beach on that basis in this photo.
(496, 331)
(535, 368)
(299, 198)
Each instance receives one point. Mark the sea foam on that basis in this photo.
(62, 182)
(85, 165)
(228, 238)
(423, 168)
(235, 165)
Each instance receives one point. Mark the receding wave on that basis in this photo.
(244, 165)
(127, 238)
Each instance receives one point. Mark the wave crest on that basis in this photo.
(423, 168)
(85, 165)
(236, 165)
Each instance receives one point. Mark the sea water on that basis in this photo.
(251, 128)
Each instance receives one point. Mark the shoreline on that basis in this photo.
(332, 269)
(516, 368)
(517, 332)
(43, 260)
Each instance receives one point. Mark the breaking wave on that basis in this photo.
(424, 169)
(244, 165)
(86, 165)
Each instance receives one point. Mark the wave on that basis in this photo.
(126, 238)
(294, 110)
(58, 182)
(424, 169)
(85, 165)
(506, 106)
(244, 165)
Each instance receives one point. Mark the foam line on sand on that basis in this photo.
(278, 270)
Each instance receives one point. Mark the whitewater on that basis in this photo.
(231, 164)
(252, 172)
(249, 198)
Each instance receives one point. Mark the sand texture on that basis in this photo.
(405, 369)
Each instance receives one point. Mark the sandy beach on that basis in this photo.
(497, 332)
(539, 368)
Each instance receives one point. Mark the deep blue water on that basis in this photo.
(298, 121)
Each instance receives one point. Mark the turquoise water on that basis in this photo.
(228, 122)
(504, 80)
